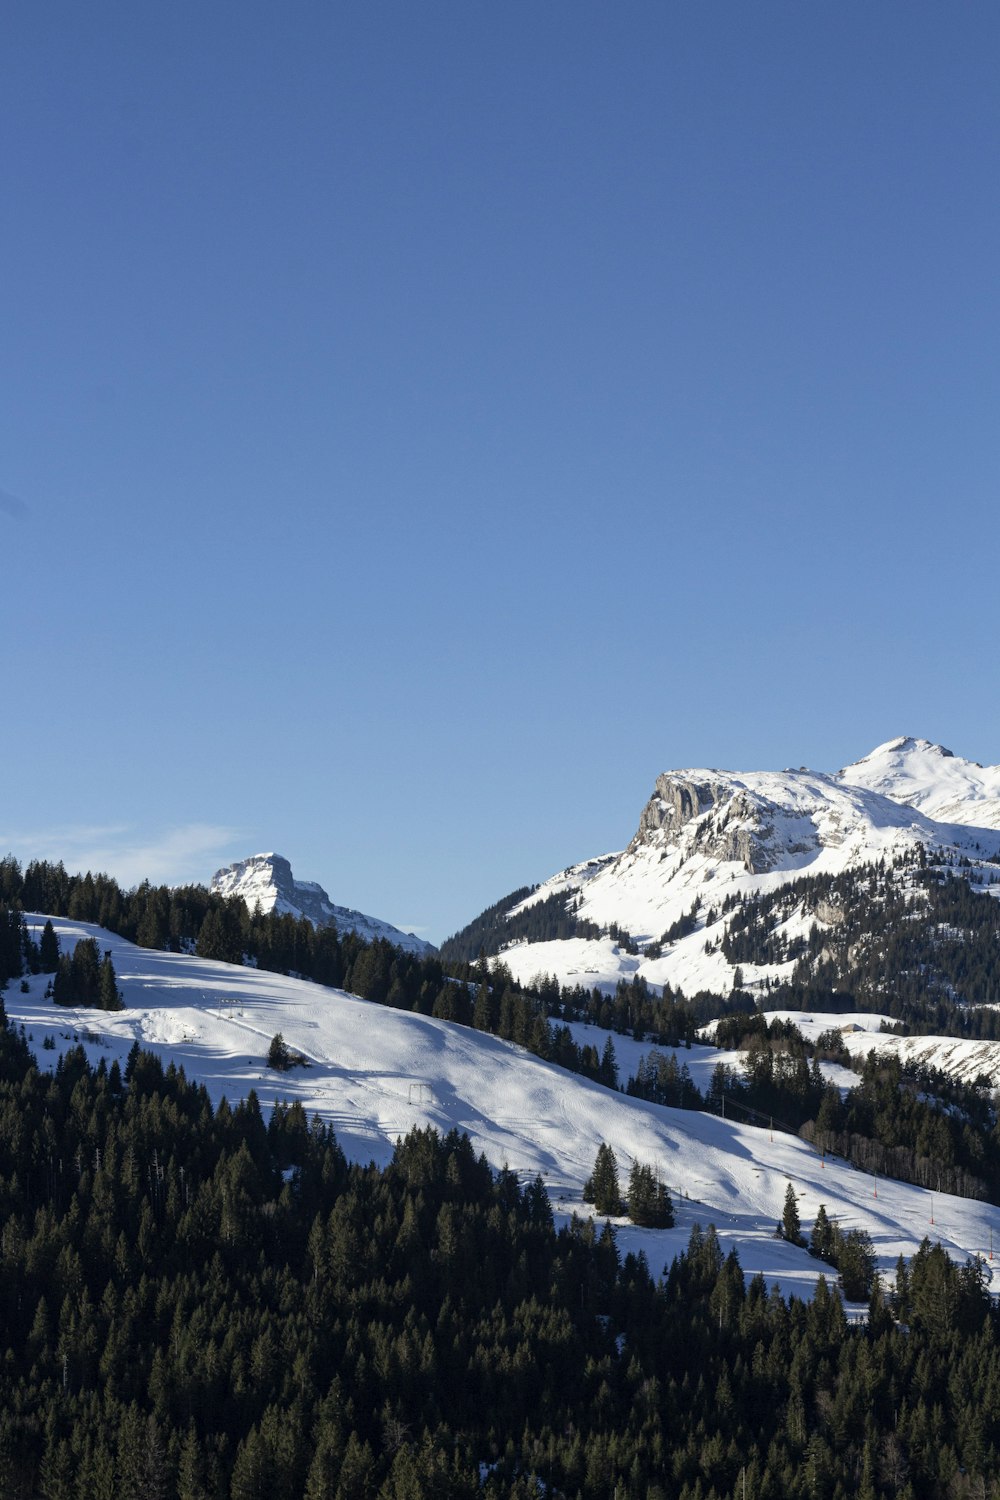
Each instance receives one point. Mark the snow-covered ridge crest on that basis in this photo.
(766, 820)
(267, 880)
(940, 784)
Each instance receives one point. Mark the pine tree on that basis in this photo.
(357, 1472)
(252, 1474)
(190, 1471)
(856, 1264)
(62, 983)
(791, 1230)
(601, 1188)
(278, 1055)
(649, 1203)
(821, 1241)
(86, 972)
(57, 1471)
(109, 995)
(484, 1016)
(48, 949)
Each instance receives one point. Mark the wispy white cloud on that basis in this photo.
(190, 852)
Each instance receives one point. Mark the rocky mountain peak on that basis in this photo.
(267, 880)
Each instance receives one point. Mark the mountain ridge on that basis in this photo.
(709, 839)
(267, 879)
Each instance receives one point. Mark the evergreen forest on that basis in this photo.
(203, 1304)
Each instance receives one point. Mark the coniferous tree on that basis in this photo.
(109, 995)
(649, 1203)
(856, 1264)
(11, 944)
(791, 1229)
(602, 1188)
(278, 1055)
(48, 949)
(608, 1072)
(822, 1238)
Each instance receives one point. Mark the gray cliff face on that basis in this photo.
(674, 803)
(718, 818)
(274, 869)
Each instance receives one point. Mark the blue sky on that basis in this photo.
(421, 425)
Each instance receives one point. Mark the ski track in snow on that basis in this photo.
(375, 1073)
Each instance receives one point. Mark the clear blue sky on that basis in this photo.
(423, 423)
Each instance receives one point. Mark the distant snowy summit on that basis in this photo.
(930, 778)
(267, 879)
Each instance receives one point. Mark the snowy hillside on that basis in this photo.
(375, 1072)
(962, 1058)
(700, 1059)
(707, 839)
(267, 880)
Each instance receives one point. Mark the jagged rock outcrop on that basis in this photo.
(716, 817)
(674, 803)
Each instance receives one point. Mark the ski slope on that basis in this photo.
(374, 1073)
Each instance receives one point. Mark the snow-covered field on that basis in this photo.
(963, 1059)
(374, 1073)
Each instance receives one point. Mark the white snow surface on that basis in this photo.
(959, 1057)
(373, 1073)
(267, 880)
(929, 777)
(707, 834)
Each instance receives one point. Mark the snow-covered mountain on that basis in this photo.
(707, 839)
(933, 780)
(267, 879)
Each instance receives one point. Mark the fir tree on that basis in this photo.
(278, 1055)
(649, 1203)
(109, 995)
(821, 1240)
(48, 949)
(601, 1188)
(856, 1264)
(791, 1230)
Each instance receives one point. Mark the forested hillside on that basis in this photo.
(917, 942)
(199, 1304)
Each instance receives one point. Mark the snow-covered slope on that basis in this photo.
(962, 1058)
(267, 879)
(706, 835)
(373, 1073)
(931, 779)
(700, 1059)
